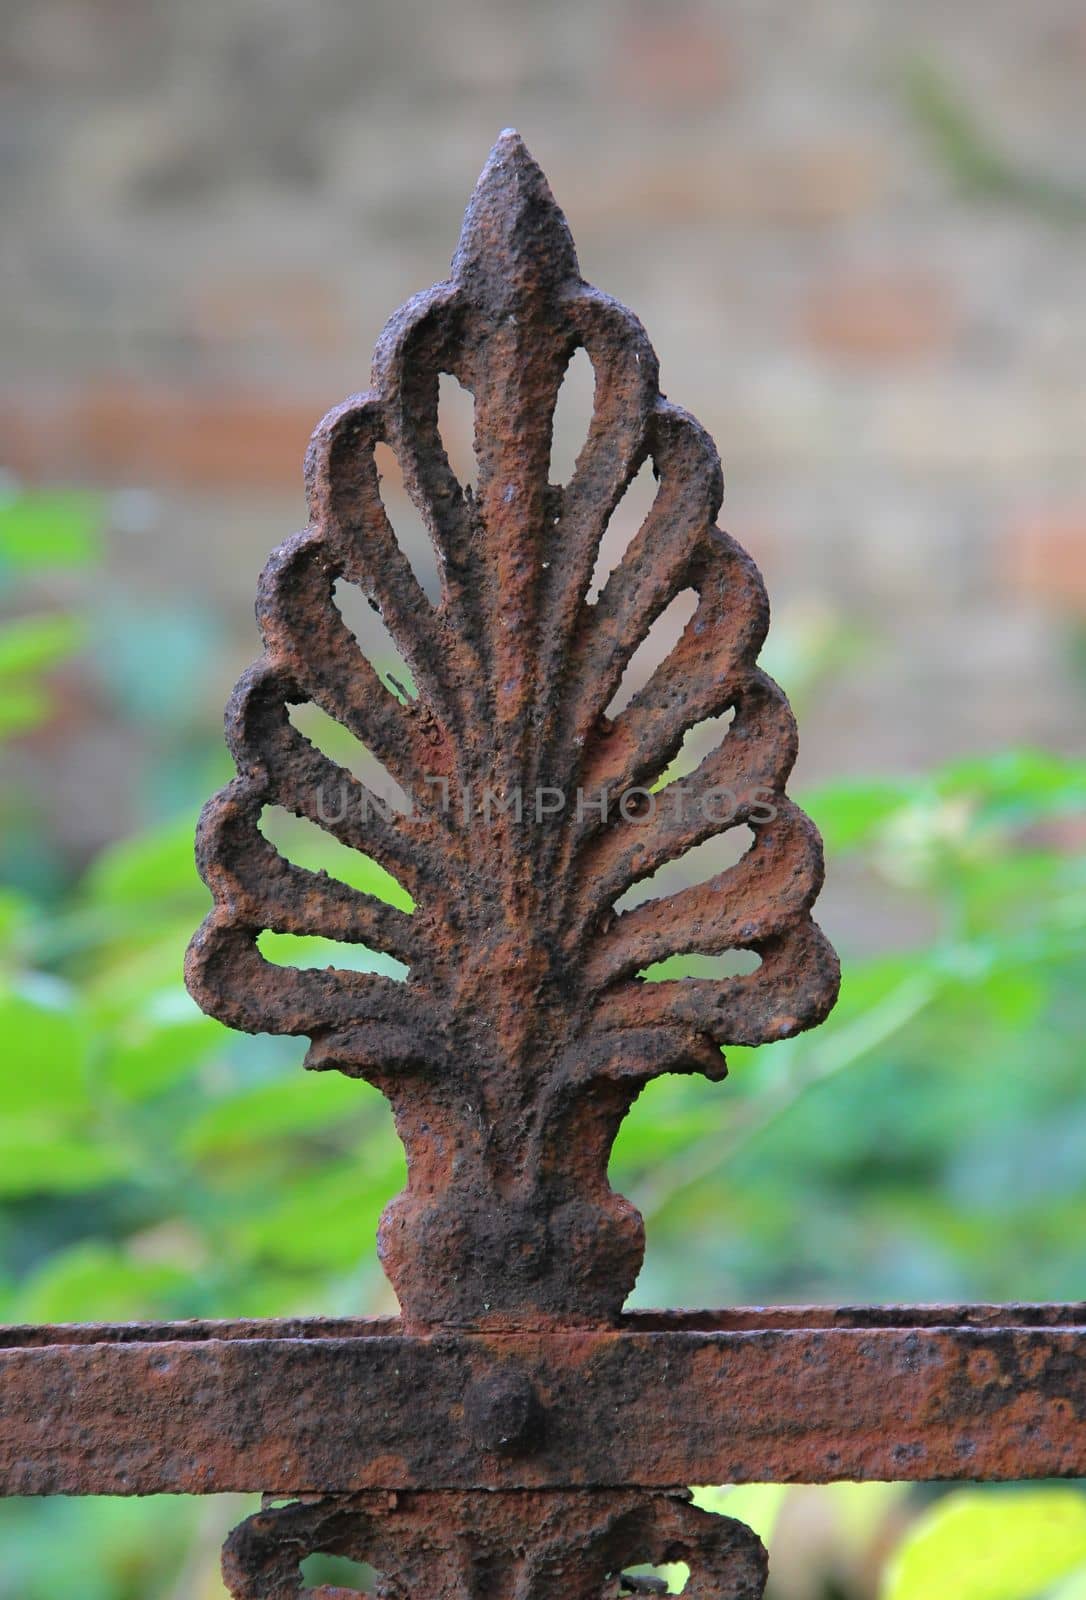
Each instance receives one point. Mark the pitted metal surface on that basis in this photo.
(458, 1547)
(803, 1394)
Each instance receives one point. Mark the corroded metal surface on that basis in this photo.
(793, 1395)
(458, 1547)
(523, 1031)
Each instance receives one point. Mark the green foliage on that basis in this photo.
(29, 648)
(37, 532)
(977, 1546)
(122, 1552)
(49, 528)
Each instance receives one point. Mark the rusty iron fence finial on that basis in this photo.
(523, 1031)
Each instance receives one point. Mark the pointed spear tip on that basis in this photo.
(513, 218)
(509, 148)
(512, 176)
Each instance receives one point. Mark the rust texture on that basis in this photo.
(523, 1031)
(456, 1547)
(807, 1394)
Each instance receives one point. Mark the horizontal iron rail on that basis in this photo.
(664, 1400)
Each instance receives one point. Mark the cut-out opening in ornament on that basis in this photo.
(339, 744)
(698, 742)
(303, 843)
(311, 953)
(411, 532)
(573, 413)
(456, 425)
(695, 964)
(625, 523)
(378, 646)
(669, 1578)
(654, 649)
(339, 1574)
(694, 866)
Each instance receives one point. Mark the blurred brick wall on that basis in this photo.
(211, 208)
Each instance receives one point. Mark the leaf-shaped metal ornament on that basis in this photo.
(524, 1029)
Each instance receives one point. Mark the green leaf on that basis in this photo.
(33, 644)
(995, 1546)
(37, 1158)
(302, 1103)
(44, 1058)
(1016, 786)
(128, 978)
(29, 647)
(151, 1058)
(849, 814)
(865, 987)
(328, 1219)
(95, 1281)
(22, 706)
(16, 911)
(1073, 1588)
(104, 1549)
(155, 866)
(55, 528)
(1015, 996)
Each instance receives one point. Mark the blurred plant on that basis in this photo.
(47, 529)
(38, 532)
(994, 1546)
(972, 158)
